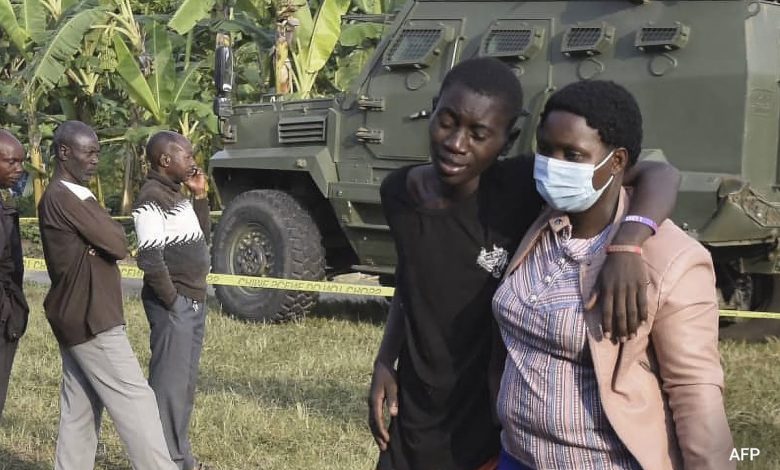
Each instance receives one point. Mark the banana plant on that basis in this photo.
(46, 34)
(303, 42)
(315, 41)
(167, 96)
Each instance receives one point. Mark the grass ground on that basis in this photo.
(293, 396)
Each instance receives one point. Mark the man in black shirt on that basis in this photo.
(13, 306)
(455, 222)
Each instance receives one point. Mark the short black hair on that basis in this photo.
(607, 107)
(67, 132)
(10, 139)
(489, 77)
(159, 144)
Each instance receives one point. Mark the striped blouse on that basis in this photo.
(549, 403)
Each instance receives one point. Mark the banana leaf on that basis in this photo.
(256, 9)
(186, 83)
(247, 26)
(203, 111)
(163, 78)
(189, 13)
(325, 35)
(353, 35)
(305, 24)
(349, 68)
(50, 61)
(369, 6)
(136, 86)
(33, 17)
(10, 25)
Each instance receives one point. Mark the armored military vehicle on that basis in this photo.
(300, 179)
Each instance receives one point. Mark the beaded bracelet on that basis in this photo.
(642, 220)
(624, 249)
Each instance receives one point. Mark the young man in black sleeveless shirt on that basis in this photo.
(455, 222)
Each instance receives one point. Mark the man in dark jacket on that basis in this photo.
(82, 245)
(173, 232)
(13, 306)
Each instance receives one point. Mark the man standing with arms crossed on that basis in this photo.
(173, 252)
(13, 306)
(81, 245)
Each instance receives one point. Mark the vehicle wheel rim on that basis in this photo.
(252, 253)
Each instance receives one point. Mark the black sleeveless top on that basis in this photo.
(449, 264)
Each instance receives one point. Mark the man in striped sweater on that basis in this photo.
(173, 252)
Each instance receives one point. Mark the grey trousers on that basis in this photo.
(176, 342)
(7, 354)
(104, 372)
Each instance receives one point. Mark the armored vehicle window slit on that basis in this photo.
(587, 40)
(581, 37)
(507, 41)
(416, 45)
(654, 38)
(512, 39)
(658, 34)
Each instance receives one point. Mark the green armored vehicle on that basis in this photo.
(300, 179)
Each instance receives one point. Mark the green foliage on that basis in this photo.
(135, 82)
(33, 19)
(51, 61)
(315, 41)
(123, 67)
(290, 396)
(30, 232)
(189, 14)
(358, 34)
(163, 76)
(349, 67)
(11, 27)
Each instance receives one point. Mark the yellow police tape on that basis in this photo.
(741, 314)
(130, 272)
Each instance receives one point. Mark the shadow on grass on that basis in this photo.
(372, 310)
(361, 310)
(10, 461)
(328, 397)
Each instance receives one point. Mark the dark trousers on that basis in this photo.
(176, 342)
(7, 353)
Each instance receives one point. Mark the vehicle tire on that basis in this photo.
(764, 296)
(267, 233)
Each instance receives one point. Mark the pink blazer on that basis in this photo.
(663, 390)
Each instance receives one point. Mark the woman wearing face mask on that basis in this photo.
(571, 398)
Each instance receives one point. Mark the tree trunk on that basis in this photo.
(127, 185)
(34, 136)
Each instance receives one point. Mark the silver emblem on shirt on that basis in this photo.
(493, 261)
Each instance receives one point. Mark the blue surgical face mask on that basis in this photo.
(568, 186)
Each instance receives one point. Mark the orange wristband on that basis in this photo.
(624, 249)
